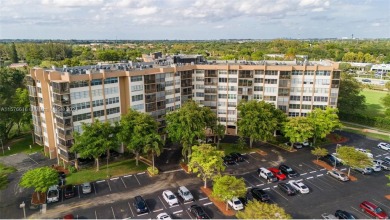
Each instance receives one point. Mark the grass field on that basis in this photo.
(22, 146)
(232, 147)
(4, 172)
(114, 169)
(374, 106)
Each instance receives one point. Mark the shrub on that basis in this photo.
(150, 170)
(72, 169)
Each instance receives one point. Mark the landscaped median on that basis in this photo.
(328, 167)
(118, 168)
(219, 204)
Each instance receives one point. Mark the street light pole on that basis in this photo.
(22, 206)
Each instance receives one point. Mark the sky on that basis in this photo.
(193, 19)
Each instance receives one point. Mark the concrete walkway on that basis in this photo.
(366, 129)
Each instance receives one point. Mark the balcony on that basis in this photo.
(33, 100)
(208, 90)
(60, 88)
(65, 136)
(207, 83)
(30, 81)
(65, 147)
(63, 114)
(38, 140)
(62, 102)
(64, 125)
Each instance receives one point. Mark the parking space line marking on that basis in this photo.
(158, 210)
(343, 169)
(260, 184)
(94, 188)
(203, 198)
(256, 177)
(112, 209)
(100, 181)
(130, 209)
(162, 202)
(209, 203)
(252, 156)
(313, 171)
(172, 171)
(381, 203)
(249, 187)
(188, 202)
(309, 178)
(243, 153)
(174, 206)
(137, 179)
(267, 188)
(332, 186)
(248, 182)
(108, 182)
(280, 195)
(189, 214)
(252, 152)
(385, 154)
(320, 175)
(128, 176)
(143, 214)
(78, 190)
(115, 178)
(124, 183)
(275, 186)
(316, 185)
(140, 173)
(303, 174)
(323, 169)
(309, 166)
(177, 211)
(369, 217)
(95, 214)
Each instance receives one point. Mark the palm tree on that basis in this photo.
(153, 144)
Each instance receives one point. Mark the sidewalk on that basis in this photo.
(366, 129)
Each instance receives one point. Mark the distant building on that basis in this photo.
(381, 69)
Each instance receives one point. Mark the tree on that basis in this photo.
(385, 100)
(257, 120)
(40, 179)
(153, 144)
(137, 131)
(219, 133)
(187, 125)
(228, 187)
(14, 54)
(262, 210)
(323, 122)
(319, 152)
(350, 95)
(95, 140)
(206, 161)
(353, 158)
(298, 129)
(387, 85)
(21, 100)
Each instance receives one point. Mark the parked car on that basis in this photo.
(140, 205)
(243, 200)
(373, 210)
(328, 216)
(331, 160)
(370, 155)
(336, 156)
(69, 191)
(338, 175)
(384, 164)
(198, 212)
(170, 198)
(276, 172)
(306, 144)
(236, 204)
(266, 174)
(228, 160)
(163, 216)
(387, 159)
(295, 145)
(376, 167)
(53, 194)
(86, 188)
(237, 157)
(364, 171)
(260, 195)
(287, 188)
(384, 146)
(341, 214)
(366, 80)
(286, 170)
(299, 186)
(185, 194)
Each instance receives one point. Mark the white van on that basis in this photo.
(53, 194)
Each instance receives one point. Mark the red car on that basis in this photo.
(373, 210)
(277, 173)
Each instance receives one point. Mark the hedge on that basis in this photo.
(378, 122)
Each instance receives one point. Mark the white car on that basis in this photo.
(86, 188)
(299, 186)
(185, 194)
(163, 216)
(384, 146)
(365, 151)
(53, 194)
(385, 165)
(376, 168)
(338, 175)
(170, 198)
(236, 204)
(306, 144)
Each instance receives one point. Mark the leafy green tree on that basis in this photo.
(385, 100)
(95, 140)
(187, 124)
(298, 129)
(228, 187)
(138, 130)
(353, 158)
(345, 66)
(319, 152)
(262, 210)
(350, 95)
(257, 120)
(14, 54)
(153, 144)
(219, 133)
(21, 100)
(387, 85)
(206, 161)
(40, 179)
(323, 122)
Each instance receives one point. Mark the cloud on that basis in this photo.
(71, 3)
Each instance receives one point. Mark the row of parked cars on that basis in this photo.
(366, 207)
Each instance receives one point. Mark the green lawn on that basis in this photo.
(114, 169)
(22, 146)
(374, 106)
(232, 147)
(4, 172)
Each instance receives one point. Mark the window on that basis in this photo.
(231, 112)
(222, 72)
(135, 98)
(296, 81)
(306, 106)
(295, 98)
(259, 80)
(137, 88)
(112, 100)
(322, 81)
(296, 89)
(293, 114)
(96, 103)
(111, 80)
(113, 110)
(270, 89)
(136, 78)
(79, 95)
(81, 117)
(232, 96)
(294, 106)
(297, 72)
(271, 81)
(257, 96)
(323, 73)
(232, 80)
(271, 72)
(96, 82)
(199, 94)
(308, 81)
(97, 92)
(199, 79)
(269, 98)
(222, 96)
(222, 80)
(232, 72)
(259, 72)
(306, 98)
(112, 90)
(309, 72)
(78, 84)
(321, 90)
(98, 113)
(320, 99)
(232, 104)
(336, 74)
(258, 88)
(319, 106)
